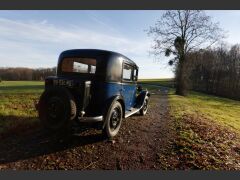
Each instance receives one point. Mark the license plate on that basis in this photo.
(62, 82)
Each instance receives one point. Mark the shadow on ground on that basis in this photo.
(33, 141)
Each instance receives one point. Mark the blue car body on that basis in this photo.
(111, 76)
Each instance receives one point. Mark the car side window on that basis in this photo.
(135, 74)
(127, 72)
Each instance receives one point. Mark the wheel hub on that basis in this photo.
(115, 118)
(55, 108)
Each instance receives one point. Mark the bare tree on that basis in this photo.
(179, 32)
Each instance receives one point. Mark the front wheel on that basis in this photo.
(113, 120)
(144, 109)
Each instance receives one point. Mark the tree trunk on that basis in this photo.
(181, 79)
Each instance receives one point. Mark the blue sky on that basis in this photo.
(35, 38)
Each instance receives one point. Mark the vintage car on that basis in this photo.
(92, 86)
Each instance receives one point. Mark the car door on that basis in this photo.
(128, 86)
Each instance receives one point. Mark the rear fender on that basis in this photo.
(141, 97)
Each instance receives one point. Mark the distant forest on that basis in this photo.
(27, 74)
(215, 71)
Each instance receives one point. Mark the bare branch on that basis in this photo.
(193, 26)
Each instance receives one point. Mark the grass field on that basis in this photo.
(221, 110)
(17, 100)
(21, 87)
(162, 82)
(208, 130)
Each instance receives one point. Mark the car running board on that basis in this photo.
(90, 119)
(133, 111)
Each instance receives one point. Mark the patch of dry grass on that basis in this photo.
(208, 131)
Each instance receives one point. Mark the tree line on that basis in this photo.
(20, 74)
(187, 37)
(215, 71)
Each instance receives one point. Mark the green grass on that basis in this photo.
(17, 103)
(224, 111)
(162, 82)
(208, 130)
(17, 99)
(16, 87)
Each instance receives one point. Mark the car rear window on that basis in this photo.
(79, 65)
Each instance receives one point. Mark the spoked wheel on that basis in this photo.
(144, 109)
(113, 120)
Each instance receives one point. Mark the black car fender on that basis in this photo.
(109, 103)
(141, 97)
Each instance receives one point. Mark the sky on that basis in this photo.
(36, 38)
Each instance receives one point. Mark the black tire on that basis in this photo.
(56, 109)
(144, 109)
(113, 120)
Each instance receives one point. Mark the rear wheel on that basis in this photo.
(56, 109)
(113, 120)
(144, 109)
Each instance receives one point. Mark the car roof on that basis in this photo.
(95, 52)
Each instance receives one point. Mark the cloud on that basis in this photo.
(43, 36)
(38, 43)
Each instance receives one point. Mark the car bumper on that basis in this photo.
(91, 119)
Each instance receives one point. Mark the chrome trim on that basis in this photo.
(82, 113)
(91, 119)
(131, 113)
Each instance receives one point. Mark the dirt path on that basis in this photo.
(142, 143)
